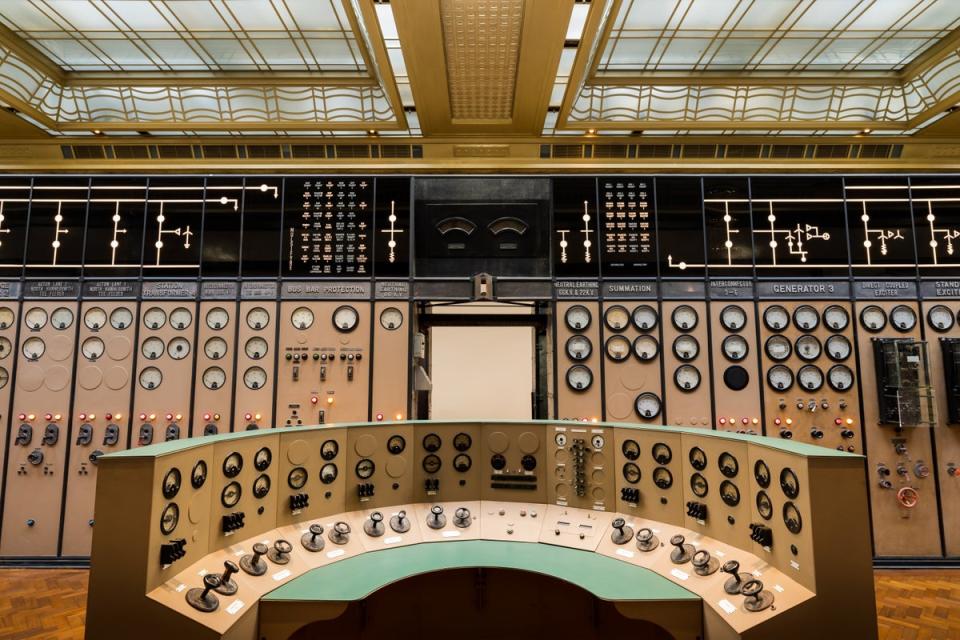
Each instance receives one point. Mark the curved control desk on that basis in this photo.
(702, 533)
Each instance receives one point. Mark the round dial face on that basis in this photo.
(329, 473)
(778, 348)
(199, 474)
(396, 444)
(255, 348)
(728, 464)
(791, 518)
(644, 317)
(616, 318)
(154, 318)
(646, 347)
(698, 459)
(838, 348)
(6, 317)
(577, 317)
(631, 472)
(873, 318)
(33, 348)
(391, 318)
(764, 505)
(121, 318)
(258, 318)
(61, 318)
(150, 378)
(92, 348)
(297, 478)
(214, 377)
(808, 348)
(684, 317)
(776, 318)
(180, 318)
(169, 518)
(733, 318)
(432, 442)
(217, 318)
(579, 378)
(789, 483)
(661, 453)
(647, 405)
(779, 377)
(329, 449)
(462, 441)
(230, 495)
(579, 347)
(806, 318)
(686, 347)
(5, 347)
(215, 348)
(618, 348)
(432, 463)
(761, 473)
(36, 318)
(254, 378)
(462, 463)
(302, 318)
(810, 377)
(699, 485)
(630, 449)
(687, 377)
(232, 465)
(262, 459)
(840, 377)
(729, 493)
(903, 318)
(940, 318)
(345, 318)
(95, 318)
(836, 318)
(171, 483)
(152, 348)
(365, 468)
(735, 348)
(178, 348)
(662, 478)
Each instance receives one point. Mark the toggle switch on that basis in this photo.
(85, 435)
(51, 434)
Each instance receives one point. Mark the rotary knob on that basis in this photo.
(647, 540)
(621, 533)
(340, 534)
(280, 553)
(254, 564)
(373, 527)
(400, 522)
(755, 597)
(202, 599)
(227, 586)
(462, 518)
(313, 539)
(736, 580)
(704, 564)
(682, 552)
(436, 519)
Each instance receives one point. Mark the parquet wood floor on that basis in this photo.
(48, 604)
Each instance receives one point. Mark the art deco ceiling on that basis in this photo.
(461, 68)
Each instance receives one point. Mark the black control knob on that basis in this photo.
(647, 540)
(682, 552)
(340, 534)
(202, 599)
(756, 599)
(280, 553)
(313, 539)
(735, 581)
(374, 525)
(400, 522)
(704, 564)
(227, 586)
(254, 564)
(786, 434)
(816, 433)
(621, 534)
(436, 519)
(24, 435)
(846, 433)
(462, 518)
(35, 457)
(94, 457)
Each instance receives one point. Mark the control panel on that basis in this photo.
(255, 365)
(736, 384)
(578, 361)
(633, 386)
(215, 361)
(686, 364)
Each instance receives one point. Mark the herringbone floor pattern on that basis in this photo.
(48, 604)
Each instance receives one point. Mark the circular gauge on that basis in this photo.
(735, 348)
(806, 318)
(840, 377)
(258, 318)
(728, 465)
(329, 473)
(462, 441)
(761, 473)
(5, 347)
(391, 318)
(33, 348)
(661, 453)
(178, 348)
(302, 318)
(647, 405)
(431, 463)
(169, 518)
(432, 442)
(644, 317)
(261, 486)
(684, 317)
(630, 449)
(733, 317)
(92, 348)
(171, 483)
(779, 377)
(180, 318)
(345, 318)
(230, 495)
(687, 377)
(152, 348)
(729, 493)
(791, 518)
(329, 449)
(616, 318)
(699, 485)
(776, 318)
(94, 318)
(232, 465)
(36, 318)
(838, 348)
(215, 348)
(789, 483)
(4, 377)
(6, 317)
(940, 318)
(365, 468)
(254, 378)
(873, 318)
(579, 378)
(662, 478)
(810, 377)
(836, 317)
(462, 463)
(217, 318)
(698, 459)
(646, 347)
(199, 474)
(617, 347)
(255, 348)
(631, 472)
(396, 444)
(297, 478)
(764, 505)
(903, 318)
(262, 459)
(808, 348)
(121, 318)
(154, 318)
(579, 347)
(778, 348)
(597, 441)
(686, 347)
(150, 378)
(577, 317)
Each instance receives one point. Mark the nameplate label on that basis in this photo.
(817, 289)
(169, 289)
(51, 289)
(637, 289)
(218, 290)
(325, 290)
(731, 289)
(258, 290)
(940, 289)
(10, 290)
(391, 290)
(577, 289)
(110, 289)
(682, 290)
(884, 289)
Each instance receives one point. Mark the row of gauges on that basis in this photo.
(645, 347)
(345, 318)
(233, 465)
(789, 484)
(644, 318)
(213, 378)
(298, 476)
(662, 455)
(729, 468)
(461, 462)
(170, 487)
(179, 348)
(810, 377)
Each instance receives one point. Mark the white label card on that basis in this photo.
(280, 575)
(676, 573)
(336, 553)
(451, 534)
(235, 606)
(727, 606)
(626, 553)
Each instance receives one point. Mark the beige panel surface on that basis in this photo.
(253, 386)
